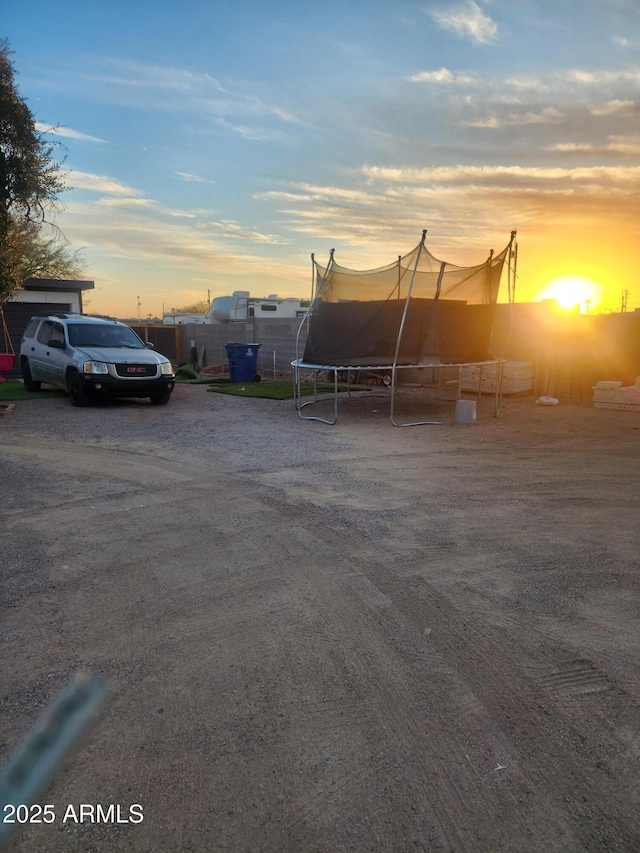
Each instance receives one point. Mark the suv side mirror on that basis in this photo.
(56, 344)
(149, 345)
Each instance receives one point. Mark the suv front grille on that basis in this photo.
(133, 371)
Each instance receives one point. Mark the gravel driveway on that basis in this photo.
(347, 638)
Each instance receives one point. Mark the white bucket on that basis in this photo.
(465, 412)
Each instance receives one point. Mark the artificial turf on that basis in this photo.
(13, 390)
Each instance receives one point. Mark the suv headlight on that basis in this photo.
(95, 367)
(167, 368)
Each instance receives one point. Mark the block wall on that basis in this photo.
(277, 339)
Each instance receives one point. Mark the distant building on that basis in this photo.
(241, 306)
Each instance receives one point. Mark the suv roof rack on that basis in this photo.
(65, 315)
(99, 317)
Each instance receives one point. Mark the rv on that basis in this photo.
(182, 318)
(241, 306)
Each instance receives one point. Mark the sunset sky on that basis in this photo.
(212, 146)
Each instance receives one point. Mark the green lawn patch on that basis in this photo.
(187, 374)
(13, 390)
(274, 390)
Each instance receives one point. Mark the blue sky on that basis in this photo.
(212, 146)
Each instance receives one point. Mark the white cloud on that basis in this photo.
(442, 75)
(189, 177)
(624, 144)
(616, 145)
(168, 87)
(231, 228)
(571, 147)
(468, 20)
(250, 133)
(123, 224)
(270, 109)
(603, 179)
(137, 75)
(67, 133)
(600, 77)
(165, 89)
(528, 82)
(548, 115)
(167, 254)
(338, 196)
(574, 80)
(460, 205)
(101, 184)
(610, 108)
(130, 203)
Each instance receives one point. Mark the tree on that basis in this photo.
(30, 183)
(28, 252)
(201, 307)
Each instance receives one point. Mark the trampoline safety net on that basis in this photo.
(418, 310)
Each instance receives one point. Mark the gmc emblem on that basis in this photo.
(135, 370)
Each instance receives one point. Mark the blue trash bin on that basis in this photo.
(243, 362)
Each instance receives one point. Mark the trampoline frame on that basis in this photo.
(299, 365)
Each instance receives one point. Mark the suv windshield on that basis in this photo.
(98, 335)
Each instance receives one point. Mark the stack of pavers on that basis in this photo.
(612, 395)
(517, 378)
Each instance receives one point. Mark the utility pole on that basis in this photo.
(139, 304)
(623, 302)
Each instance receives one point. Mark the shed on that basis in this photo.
(36, 295)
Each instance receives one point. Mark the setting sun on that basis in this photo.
(572, 290)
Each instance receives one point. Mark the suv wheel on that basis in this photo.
(160, 399)
(29, 383)
(75, 390)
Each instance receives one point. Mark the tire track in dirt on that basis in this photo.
(478, 653)
(573, 678)
(393, 698)
(478, 670)
(96, 461)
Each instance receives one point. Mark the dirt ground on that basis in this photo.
(347, 638)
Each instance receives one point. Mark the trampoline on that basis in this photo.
(414, 314)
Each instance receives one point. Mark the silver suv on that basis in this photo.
(91, 356)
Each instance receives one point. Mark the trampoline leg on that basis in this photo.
(392, 409)
(300, 405)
